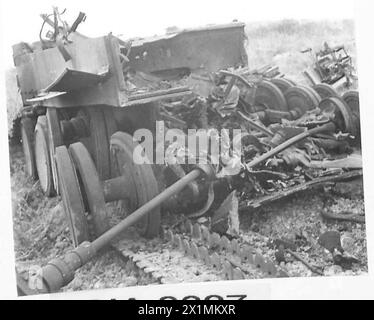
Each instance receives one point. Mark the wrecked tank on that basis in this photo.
(85, 100)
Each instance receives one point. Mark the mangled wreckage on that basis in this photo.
(85, 98)
(331, 65)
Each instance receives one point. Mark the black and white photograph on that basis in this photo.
(147, 152)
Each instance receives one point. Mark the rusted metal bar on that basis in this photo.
(326, 127)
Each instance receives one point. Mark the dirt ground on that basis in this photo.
(298, 221)
(41, 232)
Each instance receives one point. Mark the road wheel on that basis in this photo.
(351, 98)
(91, 187)
(325, 90)
(71, 197)
(145, 184)
(270, 96)
(282, 83)
(343, 116)
(300, 99)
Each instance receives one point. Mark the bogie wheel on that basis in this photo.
(315, 94)
(325, 90)
(91, 188)
(27, 135)
(99, 141)
(343, 115)
(351, 98)
(54, 140)
(145, 184)
(71, 197)
(42, 157)
(290, 81)
(270, 96)
(299, 98)
(282, 83)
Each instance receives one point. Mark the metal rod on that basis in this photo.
(105, 238)
(255, 125)
(326, 127)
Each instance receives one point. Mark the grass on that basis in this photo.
(280, 42)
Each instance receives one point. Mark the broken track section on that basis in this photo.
(190, 252)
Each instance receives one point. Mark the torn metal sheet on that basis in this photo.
(71, 80)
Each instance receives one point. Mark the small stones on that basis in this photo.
(130, 281)
(98, 285)
(332, 270)
(348, 243)
(77, 283)
(136, 257)
(127, 253)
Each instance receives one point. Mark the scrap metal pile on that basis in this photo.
(80, 115)
(293, 136)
